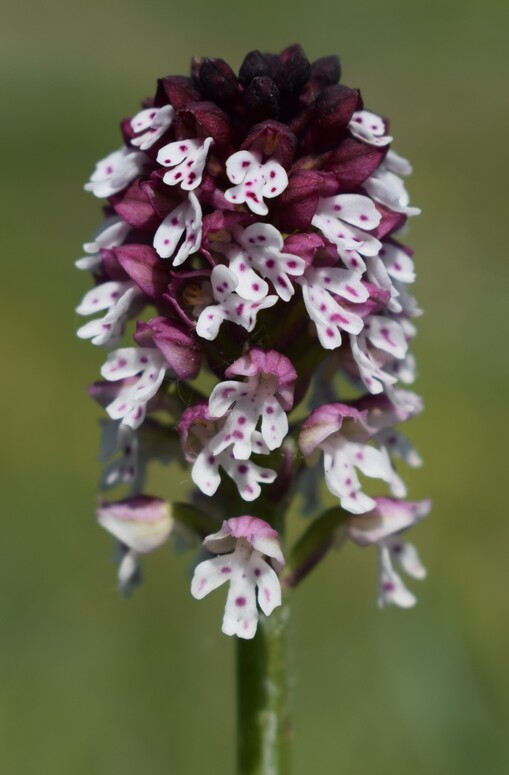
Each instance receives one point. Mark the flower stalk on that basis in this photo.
(263, 713)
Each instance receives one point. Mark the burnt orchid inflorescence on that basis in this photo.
(252, 220)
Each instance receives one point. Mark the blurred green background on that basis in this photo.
(90, 683)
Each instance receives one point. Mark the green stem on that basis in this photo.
(262, 699)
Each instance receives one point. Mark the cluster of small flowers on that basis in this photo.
(257, 215)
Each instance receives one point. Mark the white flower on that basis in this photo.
(258, 251)
(185, 221)
(254, 180)
(319, 288)
(115, 172)
(187, 158)
(385, 185)
(229, 305)
(111, 234)
(119, 299)
(152, 123)
(369, 127)
(342, 220)
(241, 543)
(146, 367)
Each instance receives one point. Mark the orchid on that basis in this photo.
(256, 220)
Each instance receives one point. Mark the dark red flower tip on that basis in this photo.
(218, 82)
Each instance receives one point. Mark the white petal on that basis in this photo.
(408, 557)
(269, 588)
(387, 335)
(274, 426)
(392, 591)
(210, 574)
(276, 179)
(239, 164)
(240, 614)
(224, 395)
(205, 473)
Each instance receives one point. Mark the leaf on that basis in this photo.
(313, 545)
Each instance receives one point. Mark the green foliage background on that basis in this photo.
(91, 683)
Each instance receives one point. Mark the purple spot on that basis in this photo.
(337, 208)
(245, 164)
(166, 242)
(178, 176)
(249, 488)
(272, 174)
(143, 359)
(210, 459)
(241, 420)
(270, 263)
(292, 264)
(240, 601)
(257, 572)
(255, 287)
(242, 469)
(183, 147)
(330, 332)
(226, 569)
(109, 170)
(121, 363)
(364, 217)
(358, 119)
(270, 410)
(337, 318)
(388, 586)
(238, 435)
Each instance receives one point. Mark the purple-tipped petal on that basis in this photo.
(142, 523)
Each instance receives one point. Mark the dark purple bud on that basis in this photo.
(305, 245)
(254, 65)
(335, 106)
(127, 131)
(177, 90)
(377, 302)
(275, 65)
(133, 205)
(326, 70)
(218, 81)
(329, 116)
(390, 222)
(298, 202)
(204, 119)
(352, 162)
(111, 267)
(144, 266)
(261, 99)
(162, 198)
(295, 71)
(175, 342)
(272, 140)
